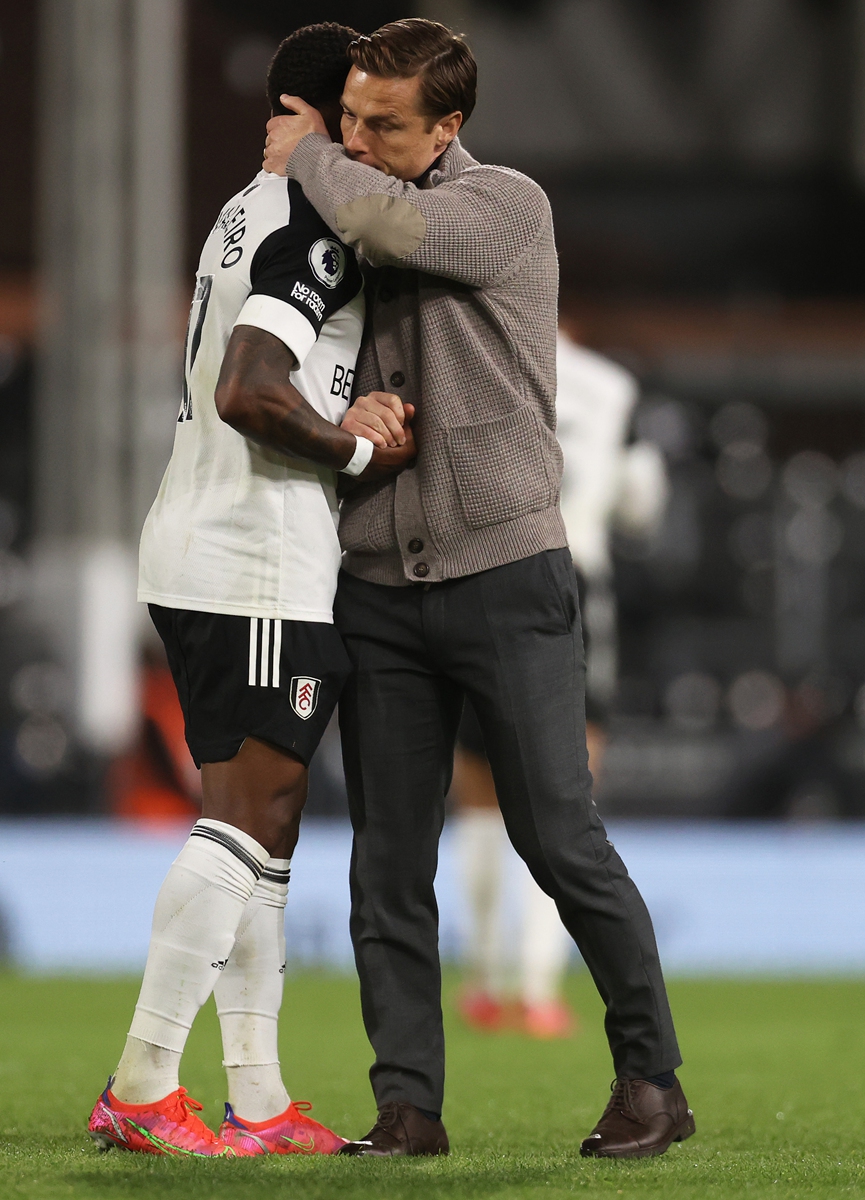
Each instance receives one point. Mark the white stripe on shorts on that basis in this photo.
(253, 647)
(264, 677)
(277, 648)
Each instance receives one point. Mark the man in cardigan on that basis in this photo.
(457, 580)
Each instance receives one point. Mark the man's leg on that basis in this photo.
(398, 719)
(516, 637)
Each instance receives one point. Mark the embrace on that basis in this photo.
(362, 505)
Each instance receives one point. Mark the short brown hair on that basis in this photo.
(403, 49)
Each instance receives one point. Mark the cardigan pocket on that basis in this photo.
(366, 522)
(505, 468)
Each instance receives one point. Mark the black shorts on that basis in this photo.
(240, 677)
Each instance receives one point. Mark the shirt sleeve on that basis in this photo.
(300, 275)
(475, 228)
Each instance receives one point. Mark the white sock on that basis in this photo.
(248, 995)
(481, 843)
(198, 910)
(545, 945)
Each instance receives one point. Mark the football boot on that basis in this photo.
(292, 1132)
(169, 1126)
(548, 1020)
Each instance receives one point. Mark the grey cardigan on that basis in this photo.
(461, 322)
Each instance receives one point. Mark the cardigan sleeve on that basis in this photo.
(473, 229)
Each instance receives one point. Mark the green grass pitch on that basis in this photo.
(773, 1072)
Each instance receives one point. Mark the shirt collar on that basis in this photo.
(450, 163)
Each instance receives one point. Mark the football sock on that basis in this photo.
(198, 909)
(248, 995)
(545, 945)
(480, 845)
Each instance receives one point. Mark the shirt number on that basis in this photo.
(197, 313)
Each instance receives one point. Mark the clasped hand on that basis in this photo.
(284, 132)
(384, 420)
(381, 417)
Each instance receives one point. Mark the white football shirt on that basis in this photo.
(237, 528)
(594, 402)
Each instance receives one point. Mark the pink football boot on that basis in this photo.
(290, 1133)
(168, 1126)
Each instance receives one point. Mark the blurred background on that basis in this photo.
(705, 160)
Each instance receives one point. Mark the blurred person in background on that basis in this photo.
(457, 581)
(238, 562)
(605, 483)
(156, 779)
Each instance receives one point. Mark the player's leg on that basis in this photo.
(481, 846)
(248, 988)
(260, 1116)
(200, 906)
(544, 949)
(197, 912)
(398, 718)
(248, 995)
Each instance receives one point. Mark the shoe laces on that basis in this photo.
(183, 1107)
(620, 1100)
(181, 1104)
(388, 1115)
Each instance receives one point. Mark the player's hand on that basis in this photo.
(380, 417)
(284, 132)
(392, 460)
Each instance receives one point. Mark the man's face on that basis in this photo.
(382, 125)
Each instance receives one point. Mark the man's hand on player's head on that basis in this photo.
(284, 132)
(380, 417)
(390, 460)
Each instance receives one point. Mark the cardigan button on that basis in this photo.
(385, 295)
(397, 379)
(415, 545)
(421, 570)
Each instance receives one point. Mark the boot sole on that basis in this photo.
(103, 1142)
(685, 1130)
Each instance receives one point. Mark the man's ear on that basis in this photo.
(448, 128)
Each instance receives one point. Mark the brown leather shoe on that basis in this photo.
(401, 1129)
(641, 1120)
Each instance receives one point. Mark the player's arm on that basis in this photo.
(255, 396)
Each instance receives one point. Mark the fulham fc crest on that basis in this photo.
(304, 695)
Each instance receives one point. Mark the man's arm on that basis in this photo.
(254, 395)
(473, 229)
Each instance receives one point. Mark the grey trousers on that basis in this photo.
(509, 639)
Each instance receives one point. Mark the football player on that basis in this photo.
(238, 563)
